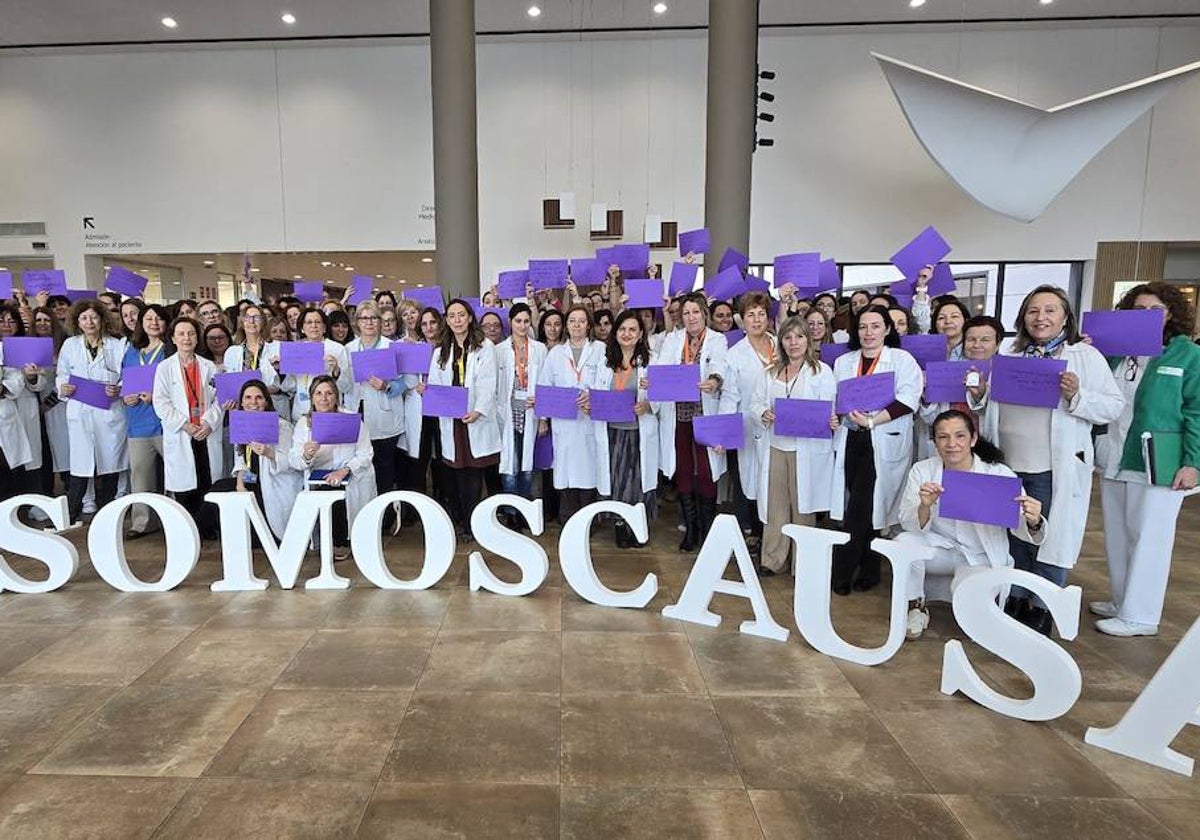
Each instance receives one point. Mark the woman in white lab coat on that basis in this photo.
(97, 435)
(696, 468)
(519, 359)
(314, 326)
(470, 443)
(627, 452)
(265, 469)
(252, 349)
(15, 449)
(335, 465)
(795, 475)
(422, 435)
(186, 403)
(56, 445)
(573, 364)
(873, 448)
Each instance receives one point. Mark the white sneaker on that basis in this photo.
(1104, 609)
(89, 508)
(918, 620)
(1121, 627)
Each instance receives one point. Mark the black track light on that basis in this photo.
(766, 97)
(765, 117)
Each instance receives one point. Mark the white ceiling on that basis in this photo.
(25, 23)
(391, 269)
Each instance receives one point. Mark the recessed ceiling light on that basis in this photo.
(533, 11)
(378, 276)
(420, 285)
(1047, 2)
(326, 263)
(253, 270)
(288, 18)
(403, 281)
(660, 8)
(349, 268)
(170, 22)
(209, 263)
(916, 4)
(426, 259)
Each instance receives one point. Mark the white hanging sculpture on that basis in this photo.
(1010, 156)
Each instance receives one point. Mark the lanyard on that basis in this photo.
(191, 383)
(578, 371)
(690, 356)
(522, 360)
(871, 367)
(621, 376)
(790, 384)
(461, 364)
(770, 359)
(148, 360)
(251, 360)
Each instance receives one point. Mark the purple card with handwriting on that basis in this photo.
(28, 350)
(412, 356)
(548, 274)
(632, 259)
(945, 382)
(733, 258)
(253, 427)
(511, 284)
(302, 358)
(673, 383)
(368, 363)
(928, 248)
(587, 271)
(309, 291)
(925, 348)
(556, 402)
(1125, 332)
(123, 281)
(335, 426)
(719, 430)
(803, 270)
(427, 297)
(137, 379)
(830, 352)
(803, 418)
(52, 281)
(866, 393)
(361, 286)
(76, 295)
(612, 406)
(90, 392)
(726, 285)
(734, 336)
(980, 498)
(445, 401)
(1027, 381)
(229, 385)
(683, 278)
(644, 294)
(694, 242)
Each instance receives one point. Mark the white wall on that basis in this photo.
(309, 148)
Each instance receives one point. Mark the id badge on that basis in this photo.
(520, 394)
(249, 477)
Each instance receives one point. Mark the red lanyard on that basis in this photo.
(522, 360)
(690, 356)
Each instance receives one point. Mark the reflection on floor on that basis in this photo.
(451, 713)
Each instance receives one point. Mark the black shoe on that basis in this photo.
(842, 589)
(691, 522)
(707, 511)
(763, 571)
(1040, 620)
(864, 585)
(1018, 608)
(621, 535)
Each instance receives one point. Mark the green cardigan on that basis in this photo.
(1167, 400)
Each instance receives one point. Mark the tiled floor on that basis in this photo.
(451, 713)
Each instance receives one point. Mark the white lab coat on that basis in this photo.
(14, 435)
(713, 355)
(1072, 456)
(97, 435)
(506, 363)
(383, 411)
(479, 377)
(744, 373)
(648, 446)
(297, 386)
(279, 480)
(29, 406)
(235, 362)
(171, 406)
(575, 458)
(814, 457)
(360, 487)
(410, 442)
(892, 442)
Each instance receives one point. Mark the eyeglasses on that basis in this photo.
(368, 317)
(251, 319)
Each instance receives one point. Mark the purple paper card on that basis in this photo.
(76, 295)
(1027, 381)
(866, 393)
(445, 401)
(606, 256)
(944, 381)
(673, 383)
(831, 352)
(925, 348)
(694, 242)
(827, 277)
(612, 406)
(548, 274)
(977, 497)
(335, 426)
(803, 418)
(902, 291)
(51, 281)
(644, 294)
(803, 270)
(427, 297)
(556, 402)
(773, 310)
(6, 285)
(683, 278)
(632, 259)
(475, 303)
(511, 284)
(253, 427)
(90, 392)
(137, 379)
(24, 350)
(361, 286)
(734, 336)
(1125, 332)
(942, 281)
(412, 356)
(229, 386)
(123, 281)
(587, 271)
(733, 258)
(719, 430)
(543, 452)
(309, 291)
(726, 285)
(368, 363)
(927, 249)
(754, 283)
(302, 357)
(501, 313)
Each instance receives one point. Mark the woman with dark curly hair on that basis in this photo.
(1162, 401)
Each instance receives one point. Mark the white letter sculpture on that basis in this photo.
(1009, 156)
(106, 543)
(575, 556)
(522, 550)
(59, 555)
(368, 550)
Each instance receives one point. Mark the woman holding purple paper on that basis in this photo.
(1051, 449)
(265, 469)
(254, 350)
(16, 451)
(314, 327)
(34, 382)
(145, 429)
(520, 359)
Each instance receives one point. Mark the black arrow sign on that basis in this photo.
(89, 222)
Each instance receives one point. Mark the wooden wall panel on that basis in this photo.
(1116, 261)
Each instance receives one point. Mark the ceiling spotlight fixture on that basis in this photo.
(660, 8)
(426, 259)
(1047, 2)
(296, 277)
(209, 263)
(326, 263)
(766, 97)
(765, 117)
(288, 18)
(255, 270)
(916, 4)
(349, 268)
(170, 22)
(378, 276)
(534, 11)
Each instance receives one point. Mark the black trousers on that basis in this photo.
(856, 555)
(106, 491)
(13, 480)
(463, 486)
(193, 500)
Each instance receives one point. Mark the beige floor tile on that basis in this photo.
(104, 655)
(70, 807)
(314, 735)
(221, 809)
(1047, 818)
(370, 607)
(666, 741)
(641, 662)
(182, 607)
(363, 659)
(33, 718)
(593, 813)
(1180, 815)
(494, 661)
(519, 812)
(21, 641)
(736, 663)
(813, 813)
(477, 737)
(235, 658)
(541, 610)
(278, 608)
(578, 614)
(69, 605)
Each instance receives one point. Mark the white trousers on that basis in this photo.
(946, 566)
(1139, 534)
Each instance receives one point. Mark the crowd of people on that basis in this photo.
(875, 472)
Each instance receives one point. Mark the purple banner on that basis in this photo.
(412, 356)
(928, 248)
(644, 294)
(612, 406)
(361, 287)
(76, 295)
(253, 427)
(511, 284)
(229, 385)
(548, 274)
(803, 270)
(944, 381)
(368, 363)
(25, 350)
(123, 281)
(51, 281)
(683, 278)
(1125, 332)
(445, 401)
(977, 497)
(335, 427)
(942, 281)
(138, 379)
(673, 383)
(925, 348)
(866, 393)
(309, 291)
(90, 392)
(803, 418)
(719, 430)
(302, 358)
(694, 242)
(427, 297)
(556, 402)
